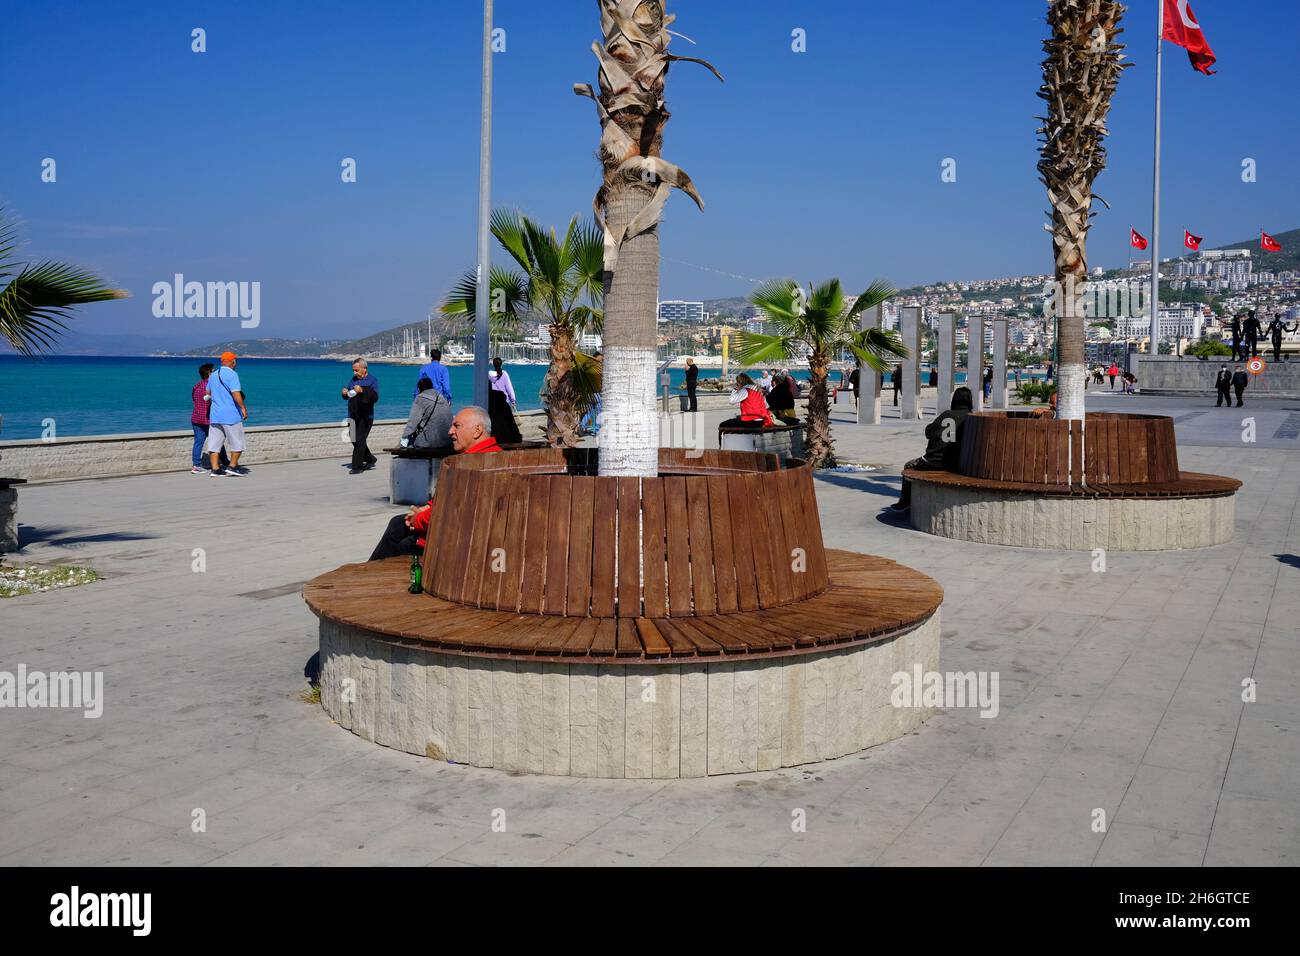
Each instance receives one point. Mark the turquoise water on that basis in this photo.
(108, 395)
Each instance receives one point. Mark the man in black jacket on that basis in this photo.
(944, 444)
(692, 376)
(362, 392)
(1222, 383)
(1239, 381)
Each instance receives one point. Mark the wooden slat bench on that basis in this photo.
(869, 599)
(1190, 484)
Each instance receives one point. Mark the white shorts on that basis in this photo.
(229, 436)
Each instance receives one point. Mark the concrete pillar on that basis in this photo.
(999, 395)
(869, 378)
(910, 399)
(945, 358)
(975, 359)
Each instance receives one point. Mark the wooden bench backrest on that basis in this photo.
(1109, 448)
(714, 533)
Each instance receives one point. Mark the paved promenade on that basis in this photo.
(1119, 691)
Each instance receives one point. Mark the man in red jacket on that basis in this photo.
(471, 434)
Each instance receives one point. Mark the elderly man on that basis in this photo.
(471, 434)
(361, 393)
(226, 415)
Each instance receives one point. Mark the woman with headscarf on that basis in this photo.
(501, 403)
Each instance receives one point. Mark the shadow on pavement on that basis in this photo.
(65, 536)
(1291, 559)
(876, 484)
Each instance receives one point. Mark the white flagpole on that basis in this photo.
(1155, 194)
(481, 345)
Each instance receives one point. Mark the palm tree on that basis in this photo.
(819, 324)
(559, 281)
(39, 296)
(634, 61)
(1080, 74)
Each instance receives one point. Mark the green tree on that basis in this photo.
(39, 296)
(558, 280)
(818, 324)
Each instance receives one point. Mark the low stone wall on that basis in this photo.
(1064, 523)
(1170, 375)
(111, 456)
(624, 721)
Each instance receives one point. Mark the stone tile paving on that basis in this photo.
(1119, 691)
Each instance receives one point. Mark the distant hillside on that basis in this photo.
(267, 348)
(1288, 258)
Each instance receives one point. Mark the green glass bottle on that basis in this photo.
(417, 575)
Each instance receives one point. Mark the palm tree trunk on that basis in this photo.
(629, 435)
(558, 388)
(1071, 281)
(819, 446)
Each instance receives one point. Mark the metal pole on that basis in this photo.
(484, 219)
(1154, 305)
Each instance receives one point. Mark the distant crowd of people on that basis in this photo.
(766, 401)
(219, 412)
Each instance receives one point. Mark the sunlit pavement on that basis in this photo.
(1122, 736)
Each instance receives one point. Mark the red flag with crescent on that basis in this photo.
(1136, 239)
(1181, 28)
(1192, 242)
(1268, 243)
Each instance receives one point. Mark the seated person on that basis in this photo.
(944, 436)
(428, 425)
(753, 407)
(471, 434)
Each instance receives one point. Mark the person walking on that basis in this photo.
(692, 377)
(437, 373)
(1050, 372)
(934, 378)
(898, 382)
(200, 398)
(501, 404)
(361, 394)
(1112, 373)
(226, 416)
(1239, 382)
(988, 381)
(855, 378)
(1222, 384)
(428, 421)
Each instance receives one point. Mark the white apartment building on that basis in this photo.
(1182, 321)
(677, 310)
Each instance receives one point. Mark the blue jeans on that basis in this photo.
(199, 459)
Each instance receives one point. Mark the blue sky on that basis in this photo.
(225, 165)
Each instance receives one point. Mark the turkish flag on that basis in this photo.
(1136, 239)
(1192, 242)
(1268, 243)
(1181, 28)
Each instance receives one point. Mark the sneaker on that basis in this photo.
(196, 470)
(217, 473)
(898, 507)
(237, 472)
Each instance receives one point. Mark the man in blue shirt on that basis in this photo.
(435, 372)
(226, 414)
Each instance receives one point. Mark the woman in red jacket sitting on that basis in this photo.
(754, 412)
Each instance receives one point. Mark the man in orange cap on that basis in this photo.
(226, 416)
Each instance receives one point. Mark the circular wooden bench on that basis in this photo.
(1110, 482)
(687, 624)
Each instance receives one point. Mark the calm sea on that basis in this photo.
(106, 395)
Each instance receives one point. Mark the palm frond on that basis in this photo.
(875, 348)
(756, 348)
(507, 226)
(34, 305)
(780, 300)
(508, 291)
(878, 292)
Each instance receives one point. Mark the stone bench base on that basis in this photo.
(8, 520)
(621, 720)
(1063, 523)
(784, 441)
